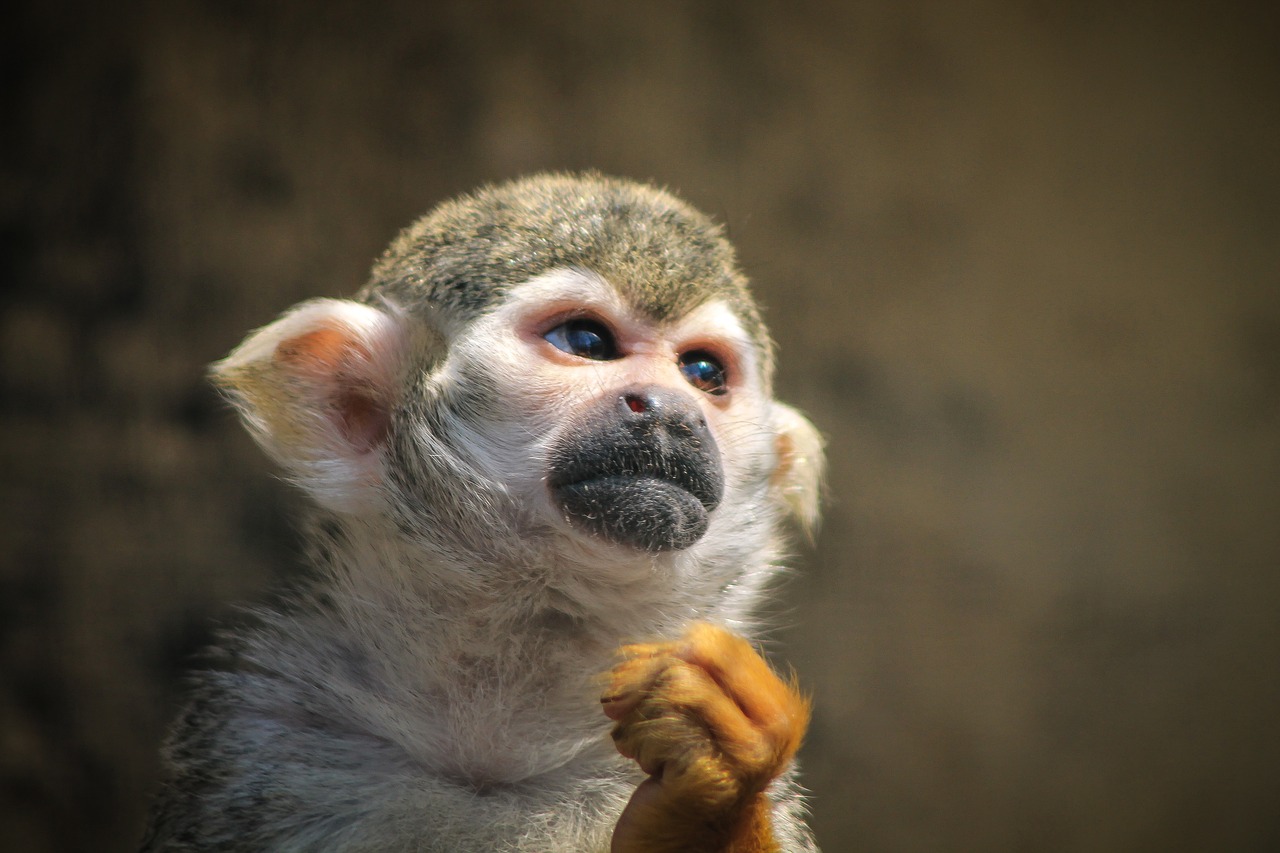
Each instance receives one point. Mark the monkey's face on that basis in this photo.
(561, 371)
(636, 428)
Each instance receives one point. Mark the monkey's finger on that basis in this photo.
(666, 748)
(685, 715)
(628, 682)
(638, 665)
(767, 700)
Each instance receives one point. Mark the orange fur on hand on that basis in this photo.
(712, 725)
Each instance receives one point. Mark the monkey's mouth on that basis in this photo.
(655, 502)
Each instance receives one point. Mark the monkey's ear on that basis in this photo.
(316, 388)
(797, 481)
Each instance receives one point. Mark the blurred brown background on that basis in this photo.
(1022, 259)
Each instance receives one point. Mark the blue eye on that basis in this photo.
(704, 372)
(585, 339)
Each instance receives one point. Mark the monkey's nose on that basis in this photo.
(660, 406)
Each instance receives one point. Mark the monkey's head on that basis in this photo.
(564, 365)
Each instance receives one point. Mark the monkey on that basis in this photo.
(549, 487)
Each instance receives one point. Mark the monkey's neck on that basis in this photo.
(415, 645)
(432, 593)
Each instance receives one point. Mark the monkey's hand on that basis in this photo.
(712, 725)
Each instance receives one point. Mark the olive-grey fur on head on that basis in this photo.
(663, 256)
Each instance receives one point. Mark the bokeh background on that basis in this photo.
(1022, 261)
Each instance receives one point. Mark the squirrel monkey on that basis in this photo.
(550, 484)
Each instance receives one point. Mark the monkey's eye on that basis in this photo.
(585, 339)
(704, 372)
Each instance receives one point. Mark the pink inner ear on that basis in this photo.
(319, 354)
(785, 449)
(340, 365)
(363, 420)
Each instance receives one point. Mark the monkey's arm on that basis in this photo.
(713, 726)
